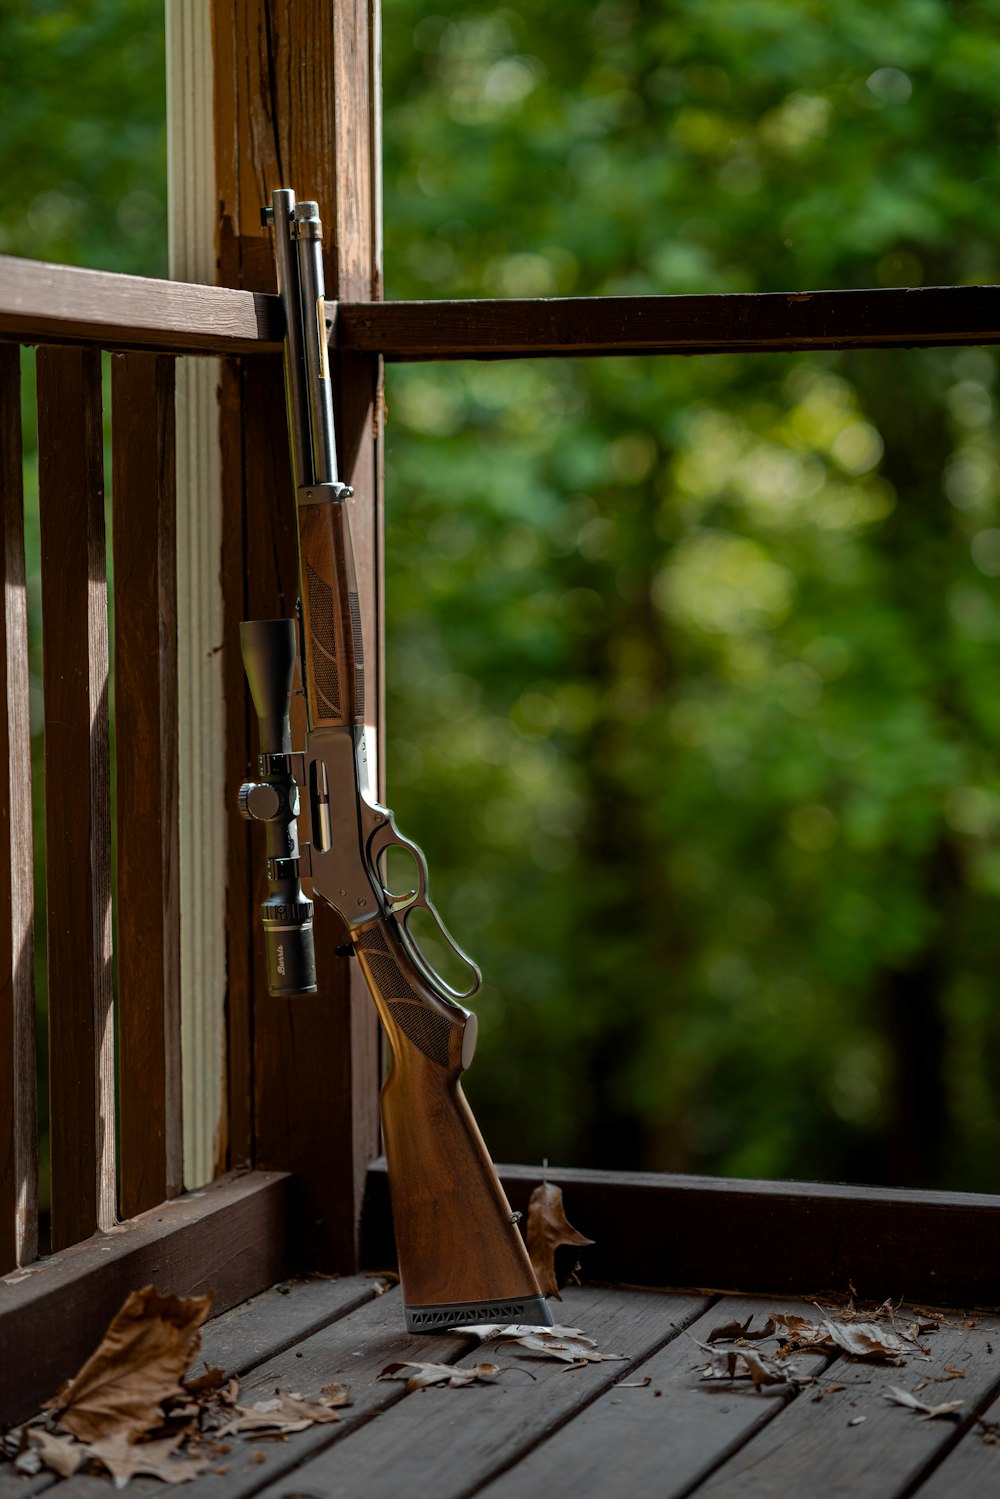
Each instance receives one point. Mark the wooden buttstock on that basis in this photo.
(455, 1236)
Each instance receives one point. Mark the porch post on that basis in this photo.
(295, 105)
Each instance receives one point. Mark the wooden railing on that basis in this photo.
(90, 1188)
(73, 314)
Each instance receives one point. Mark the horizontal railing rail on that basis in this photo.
(715, 323)
(41, 303)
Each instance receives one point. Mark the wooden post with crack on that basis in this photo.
(293, 87)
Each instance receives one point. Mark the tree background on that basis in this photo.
(692, 682)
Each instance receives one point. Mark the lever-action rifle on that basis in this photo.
(461, 1258)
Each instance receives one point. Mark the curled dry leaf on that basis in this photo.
(926, 1412)
(124, 1460)
(203, 1386)
(138, 1365)
(862, 1339)
(730, 1332)
(548, 1229)
(568, 1344)
(286, 1412)
(867, 1340)
(447, 1374)
(744, 1363)
(49, 1450)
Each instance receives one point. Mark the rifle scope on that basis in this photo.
(268, 647)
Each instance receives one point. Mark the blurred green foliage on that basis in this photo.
(691, 661)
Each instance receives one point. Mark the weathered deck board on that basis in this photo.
(280, 1318)
(972, 1468)
(352, 1350)
(237, 1341)
(813, 1453)
(577, 1432)
(442, 1442)
(618, 1443)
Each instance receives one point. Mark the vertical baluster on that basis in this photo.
(77, 813)
(145, 665)
(18, 1143)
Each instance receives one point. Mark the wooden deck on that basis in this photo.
(648, 1425)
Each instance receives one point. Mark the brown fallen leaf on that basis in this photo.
(830, 1389)
(568, 1344)
(47, 1449)
(635, 1384)
(794, 1325)
(207, 1384)
(734, 1331)
(547, 1230)
(867, 1340)
(862, 1339)
(926, 1412)
(138, 1365)
(452, 1375)
(124, 1460)
(334, 1395)
(743, 1363)
(285, 1411)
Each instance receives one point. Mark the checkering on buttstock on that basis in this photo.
(461, 1257)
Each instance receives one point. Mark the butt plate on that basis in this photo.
(528, 1311)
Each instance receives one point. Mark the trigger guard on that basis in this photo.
(456, 996)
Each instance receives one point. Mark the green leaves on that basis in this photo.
(696, 655)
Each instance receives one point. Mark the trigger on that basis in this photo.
(397, 902)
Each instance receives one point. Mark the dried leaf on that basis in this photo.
(635, 1384)
(138, 1365)
(125, 1460)
(285, 1412)
(857, 1420)
(734, 1331)
(795, 1326)
(205, 1385)
(47, 1449)
(446, 1374)
(334, 1395)
(384, 1280)
(927, 1412)
(862, 1339)
(548, 1230)
(866, 1340)
(743, 1363)
(568, 1344)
